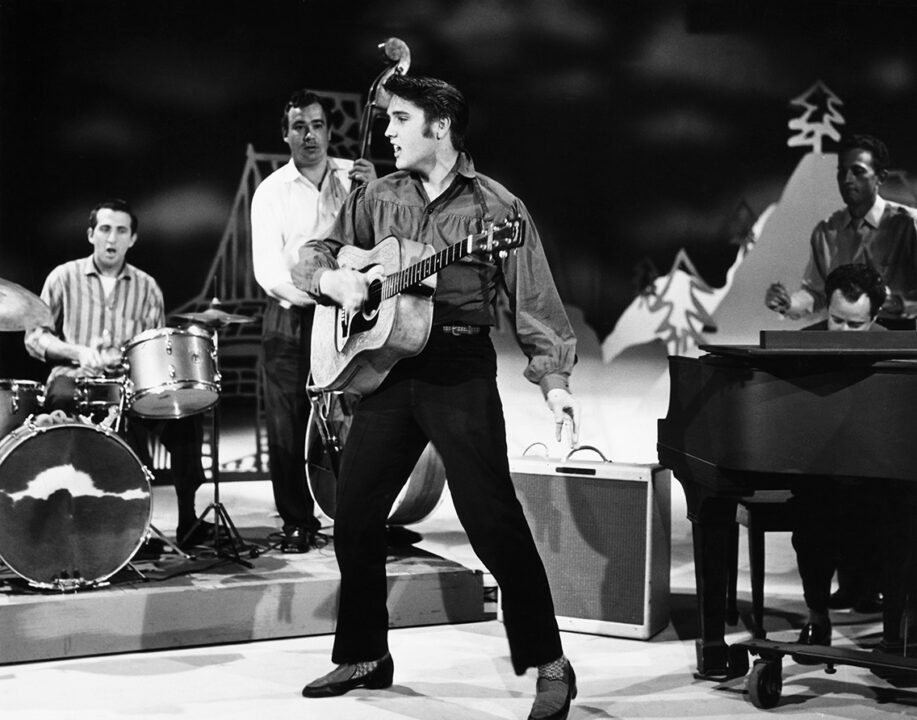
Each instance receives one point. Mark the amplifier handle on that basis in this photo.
(585, 447)
(536, 444)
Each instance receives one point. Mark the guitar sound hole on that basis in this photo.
(373, 299)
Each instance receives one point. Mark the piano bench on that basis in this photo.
(765, 511)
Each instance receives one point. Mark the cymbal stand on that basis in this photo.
(221, 517)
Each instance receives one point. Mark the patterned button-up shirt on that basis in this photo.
(82, 314)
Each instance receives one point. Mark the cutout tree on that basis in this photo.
(819, 118)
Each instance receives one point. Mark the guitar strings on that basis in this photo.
(395, 284)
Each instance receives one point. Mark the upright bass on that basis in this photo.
(398, 58)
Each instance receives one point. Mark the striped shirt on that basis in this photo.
(83, 315)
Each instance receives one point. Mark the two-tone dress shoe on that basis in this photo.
(345, 678)
(552, 697)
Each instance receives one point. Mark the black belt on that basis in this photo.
(463, 329)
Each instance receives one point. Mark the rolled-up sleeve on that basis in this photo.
(543, 329)
(319, 255)
(38, 339)
(813, 279)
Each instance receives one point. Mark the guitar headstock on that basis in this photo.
(499, 239)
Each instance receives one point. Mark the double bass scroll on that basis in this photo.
(397, 56)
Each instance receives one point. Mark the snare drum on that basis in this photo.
(173, 372)
(18, 400)
(420, 495)
(97, 395)
(75, 504)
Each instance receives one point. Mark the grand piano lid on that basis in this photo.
(894, 344)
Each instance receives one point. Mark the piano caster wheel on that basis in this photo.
(765, 683)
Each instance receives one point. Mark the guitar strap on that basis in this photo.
(486, 217)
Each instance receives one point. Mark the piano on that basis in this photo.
(744, 418)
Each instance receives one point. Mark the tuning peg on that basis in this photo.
(503, 254)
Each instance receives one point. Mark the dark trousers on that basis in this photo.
(182, 437)
(864, 529)
(447, 395)
(837, 528)
(899, 570)
(287, 335)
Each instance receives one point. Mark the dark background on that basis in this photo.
(630, 129)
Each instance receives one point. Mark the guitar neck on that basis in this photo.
(412, 275)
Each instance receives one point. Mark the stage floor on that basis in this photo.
(455, 671)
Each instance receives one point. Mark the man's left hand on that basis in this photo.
(566, 409)
(362, 171)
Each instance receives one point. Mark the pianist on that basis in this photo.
(856, 293)
(869, 229)
(837, 521)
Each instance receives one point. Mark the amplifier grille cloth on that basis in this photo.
(591, 533)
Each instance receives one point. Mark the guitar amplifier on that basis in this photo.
(604, 534)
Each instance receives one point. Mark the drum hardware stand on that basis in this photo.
(331, 442)
(220, 515)
(115, 414)
(159, 534)
(153, 530)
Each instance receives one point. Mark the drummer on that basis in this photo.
(97, 304)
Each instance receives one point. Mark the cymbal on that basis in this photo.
(21, 309)
(214, 317)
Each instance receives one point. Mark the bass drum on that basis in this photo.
(421, 494)
(75, 504)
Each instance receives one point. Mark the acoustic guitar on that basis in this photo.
(354, 351)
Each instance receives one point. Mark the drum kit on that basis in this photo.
(75, 500)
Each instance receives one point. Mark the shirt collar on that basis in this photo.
(876, 211)
(290, 173)
(874, 215)
(88, 267)
(464, 166)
